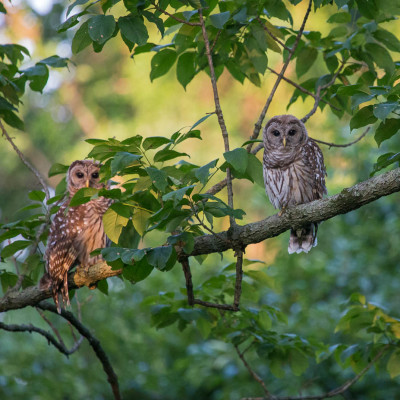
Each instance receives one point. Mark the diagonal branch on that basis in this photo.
(218, 109)
(238, 237)
(258, 124)
(332, 393)
(59, 345)
(25, 161)
(94, 343)
(260, 21)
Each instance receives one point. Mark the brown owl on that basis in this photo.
(294, 173)
(75, 231)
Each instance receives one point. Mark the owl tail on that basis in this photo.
(303, 240)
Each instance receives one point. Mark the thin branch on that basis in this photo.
(302, 89)
(182, 21)
(258, 124)
(215, 40)
(271, 34)
(53, 328)
(94, 343)
(343, 145)
(50, 338)
(254, 374)
(318, 95)
(238, 280)
(25, 161)
(190, 295)
(332, 393)
(218, 110)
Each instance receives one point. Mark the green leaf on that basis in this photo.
(82, 196)
(139, 220)
(137, 272)
(388, 39)
(101, 28)
(305, 59)
(123, 159)
(166, 154)
(363, 117)
(255, 170)
(113, 224)
(37, 195)
(81, 38)
(155, 20)
(2, 9)
(203, 172)
(103, 286)
(158, 177)
(186, 68)
(57, 169)
(162, 62)
(153, 142)
(70, 22)
(55, 62)
(74, 4)
(159, 256)
(339, 18)
(202, 119)
(14, 247)
(238, 159)
(386, 130)
(219, 20)
(184, 39)
(177, 195)
(256, 55)
(8, 279)
(393, 365)
(134, 29)
(298, 362)
(383, 161)
(381, 57)
(382, 110)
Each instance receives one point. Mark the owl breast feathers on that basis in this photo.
(75, 231)
(294, 172)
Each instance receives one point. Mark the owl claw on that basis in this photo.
(283, 209)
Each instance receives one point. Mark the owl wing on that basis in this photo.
(314, 159)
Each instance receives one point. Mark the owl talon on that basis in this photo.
(283, 209)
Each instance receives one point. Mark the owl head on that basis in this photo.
(284, 132)
(83, 173)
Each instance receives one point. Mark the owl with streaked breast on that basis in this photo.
(75, 231)
(294, 173)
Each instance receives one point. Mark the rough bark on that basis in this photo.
(238, 237)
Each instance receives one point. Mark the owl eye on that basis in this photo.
(95, 175)
(276, 133)
(292, 132)
(79, 174)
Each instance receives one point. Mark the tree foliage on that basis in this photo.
(163, 198)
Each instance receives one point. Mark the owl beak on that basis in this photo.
(87, 183)
(284, 142)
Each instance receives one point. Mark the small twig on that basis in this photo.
(94, 343)
(332, 393)
(53, 328)
(257, 126)
(318, 95)
(254, 374)
(31, 328)
(215, 40)
(26, 162)
(189, 289)
(182, 21)
(343, 145)
(271, 34)
(238, 280)
(218, 110)
(302, 89)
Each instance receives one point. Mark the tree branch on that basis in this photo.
(258, 124)
(50, 338)
(182, 21)
(240, 236)
(345, 144)
(332, 393)
(218, 110)
(25, 161)
(94, 343)
(271, 34)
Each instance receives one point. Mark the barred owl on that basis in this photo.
(294, 173)
(75, 231)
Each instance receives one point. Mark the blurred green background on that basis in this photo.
(110, 95)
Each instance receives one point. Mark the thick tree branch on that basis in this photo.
(218, 109)
(258, 124)
(240, 236)
(94, 343)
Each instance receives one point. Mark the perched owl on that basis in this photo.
(294, 173)
(75, 231)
